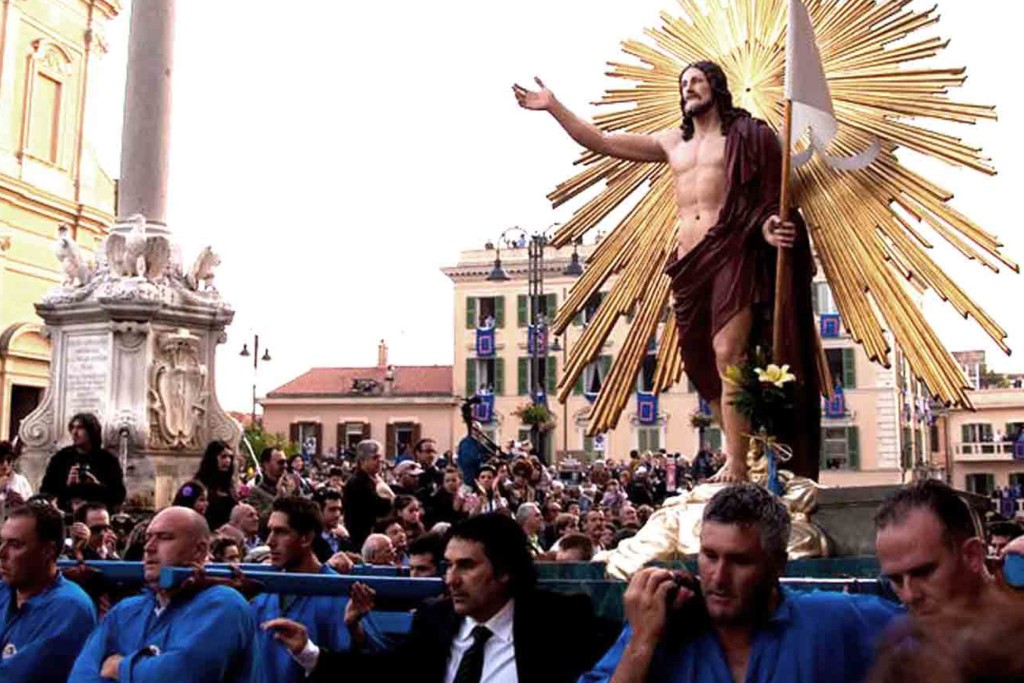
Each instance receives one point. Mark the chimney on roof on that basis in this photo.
(382, 354)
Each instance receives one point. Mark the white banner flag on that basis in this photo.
(807, 90)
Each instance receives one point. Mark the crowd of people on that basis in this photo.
(481, 525)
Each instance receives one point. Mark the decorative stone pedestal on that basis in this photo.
(134, 341)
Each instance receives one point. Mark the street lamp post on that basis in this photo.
(255, 367)
(535, 245)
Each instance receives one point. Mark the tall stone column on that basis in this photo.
(146, 136)
(134, 336)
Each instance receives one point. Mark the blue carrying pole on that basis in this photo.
(401, 588)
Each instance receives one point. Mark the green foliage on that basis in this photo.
(699, 420)
(535, 415)
(259, 439)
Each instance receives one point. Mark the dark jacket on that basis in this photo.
(363, 507)
(556, 640)
(101, 464)
(441, 508)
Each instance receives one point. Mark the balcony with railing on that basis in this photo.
(984, 451)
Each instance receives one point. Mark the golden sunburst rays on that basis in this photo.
(872, 229)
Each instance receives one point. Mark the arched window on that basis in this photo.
(48, 74)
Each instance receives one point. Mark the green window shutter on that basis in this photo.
(849, 369)
(551, 370)
(499, 312)
(522, 310)
(471, 320)
(470, 376)
(606, 366)
(965, 433)
(821, 456)
(853, 447)
(551, 304)
(524, 376)
(577, 388)
(713, 435)
(499, 376)
(588, 444)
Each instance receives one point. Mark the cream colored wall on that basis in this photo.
(437, 419)
(996, 407)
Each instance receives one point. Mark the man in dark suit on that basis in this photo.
(365, 499)
(494, 626)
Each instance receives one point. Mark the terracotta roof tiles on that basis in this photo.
(410, 380)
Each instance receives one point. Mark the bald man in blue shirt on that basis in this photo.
(738, 625)
(185, 634)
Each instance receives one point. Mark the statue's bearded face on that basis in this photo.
(696, 95)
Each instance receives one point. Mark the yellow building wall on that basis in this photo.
(48, 172)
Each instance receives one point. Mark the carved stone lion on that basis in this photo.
(200, 276)
(72, 262)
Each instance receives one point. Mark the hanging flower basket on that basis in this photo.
(536, 415)
(699, 420)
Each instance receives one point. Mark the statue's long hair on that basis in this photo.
(720, 94)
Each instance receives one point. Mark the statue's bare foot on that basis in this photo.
(732, 472)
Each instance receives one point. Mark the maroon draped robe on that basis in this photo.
(733, 268)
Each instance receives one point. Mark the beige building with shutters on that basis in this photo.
(872, 439)
(980, 448)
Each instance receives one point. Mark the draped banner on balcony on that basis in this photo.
(646, 408)
(483, 411)
(485, 342)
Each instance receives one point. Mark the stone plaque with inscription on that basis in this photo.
(86, 374)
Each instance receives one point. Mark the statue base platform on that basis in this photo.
(133, 341)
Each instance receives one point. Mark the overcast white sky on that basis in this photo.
(338, 154)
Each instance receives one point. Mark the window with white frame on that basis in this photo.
(821, 295)
(976, 432)
(648, 438)
(713, 438)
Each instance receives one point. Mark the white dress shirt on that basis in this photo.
(499, 651)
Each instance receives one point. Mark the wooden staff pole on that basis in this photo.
(782, 274)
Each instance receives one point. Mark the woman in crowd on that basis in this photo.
(217, 474)
(449, 504)
(192, 494)
(297, 468)
(410, 511)
(14, 488)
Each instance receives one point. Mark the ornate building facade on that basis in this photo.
(48, 175)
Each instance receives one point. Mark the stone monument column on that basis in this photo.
(134, 335)
(146, 135)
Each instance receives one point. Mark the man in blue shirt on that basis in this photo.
(737, 624)
(46, 618)
(190, 634)
(293, 525)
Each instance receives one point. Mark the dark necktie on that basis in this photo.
(471, 668)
